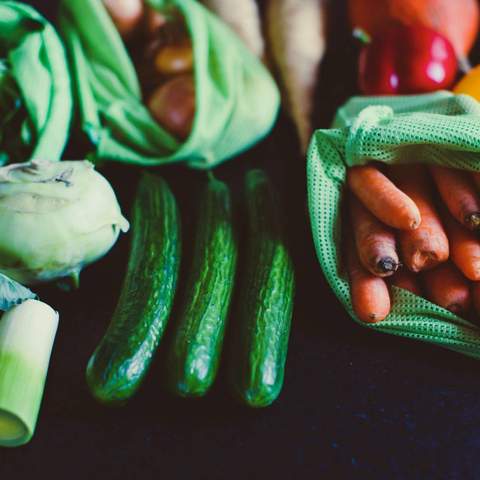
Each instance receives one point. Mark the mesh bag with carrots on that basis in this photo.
(236, 100)
(435, 129)
(35, 94)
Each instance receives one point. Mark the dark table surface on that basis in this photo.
(356, 404)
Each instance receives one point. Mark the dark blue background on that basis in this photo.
(356, 404)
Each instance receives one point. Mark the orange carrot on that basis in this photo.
(375, 242)
(459, 195)
(407, 280)
(426, 246)
(383, 198)
(370, 296)
(446, 287)
(464, 248)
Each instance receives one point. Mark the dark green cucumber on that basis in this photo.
(265, 299)
(121, 360)
(198, 339)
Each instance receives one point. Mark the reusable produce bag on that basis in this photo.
(440, 128)
(236, 98)
(34, 82)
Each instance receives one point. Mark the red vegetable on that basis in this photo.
(406, 59)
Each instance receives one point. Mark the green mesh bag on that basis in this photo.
(440, 128)
(236, 99)
(35, 94)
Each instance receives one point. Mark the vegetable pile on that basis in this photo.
(404, 229)
(264, 297)
(413, 47)
(405, 233)
(163, 81)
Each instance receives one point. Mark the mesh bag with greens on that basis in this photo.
(440, 128)
(35, 95)
(236, 98)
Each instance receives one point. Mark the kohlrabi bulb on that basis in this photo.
(55, 218)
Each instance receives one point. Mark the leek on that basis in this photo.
(27, 332)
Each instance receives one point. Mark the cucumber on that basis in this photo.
(120, 362)
(197, 343)
(265, 299)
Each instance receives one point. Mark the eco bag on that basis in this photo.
(236, 98)
(35, 94)
(440, 128)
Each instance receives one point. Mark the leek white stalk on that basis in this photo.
(27, 332)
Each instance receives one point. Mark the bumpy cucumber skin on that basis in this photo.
(265, 300)
(120, 362)
(198, 339)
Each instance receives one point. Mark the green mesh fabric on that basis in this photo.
(38, 64)
(236, 98)
(440, 128)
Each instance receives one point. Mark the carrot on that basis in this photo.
(244, 18)
(426, 246)
(459, 195)
(407, 280)
(446, 287)
(296, 32)
(369, 294)
(383, 198)
(464, 248)
(375, 242)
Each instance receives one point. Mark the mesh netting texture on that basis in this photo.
(440, 128)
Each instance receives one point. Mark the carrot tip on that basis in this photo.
(387, 265)
(473, 221)
(414, 225)
(375, 318)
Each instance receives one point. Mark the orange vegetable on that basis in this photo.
(459, 195)
(470, 83)
(369, 293)
(446, 287)
(464, 248)
(127, 15)
(426, 246)
(374, 241)
(457, 20)
(173, 105)
(407, 280)
(383, 198)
